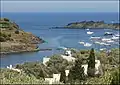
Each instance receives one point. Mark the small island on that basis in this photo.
(14, 40)
(92, 24)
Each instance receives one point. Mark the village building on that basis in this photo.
(14, 69)
(97, 68)
(45, 60)
(55, 79)
(68, 56)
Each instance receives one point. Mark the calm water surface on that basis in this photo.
(39, 24)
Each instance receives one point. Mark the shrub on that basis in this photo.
(2, 39)
(9, 35)
(5, 19)
(17, 32)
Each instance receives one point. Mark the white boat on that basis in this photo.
(115, 37)
(97, 42)
(107, 44)
(102, 43)
(108, 33)
(102, 49)
(87, 44)
(63, 48)
(111, 41)
(81, 42)
(106, 39)
(95, 38)
(87, 29)
(90, 32)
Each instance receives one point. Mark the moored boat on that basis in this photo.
(87, 44)
(115, 37)
(95, 38)
(108, 33)
(89, 32)
(81, 42)
(106, 39)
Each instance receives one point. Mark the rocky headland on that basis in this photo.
(14, 40)
(92, 24)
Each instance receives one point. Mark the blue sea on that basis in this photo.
(39, 24)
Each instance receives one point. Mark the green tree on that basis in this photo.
(116, 77)
(76, 72)
(91, 63)
(63, 76)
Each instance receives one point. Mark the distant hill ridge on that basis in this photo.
(92, 24)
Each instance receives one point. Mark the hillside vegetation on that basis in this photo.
(14, 39)
(34, 72)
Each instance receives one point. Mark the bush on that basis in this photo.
(116, 77)
(17, 32)
(2, 39)
(5, 19)
(9, 35)
(32, 68)
(12, 77)
(57, 62)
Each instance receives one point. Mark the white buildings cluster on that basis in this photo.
(97, 66)
(68, 56)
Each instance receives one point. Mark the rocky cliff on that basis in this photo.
(14, 39)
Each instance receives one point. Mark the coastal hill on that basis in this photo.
(93, 24)
(14, 39)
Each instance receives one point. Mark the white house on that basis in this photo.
(68, 56)
(45, 60)
(49, 80)
(14, 69)
(56, 78)
(85, 68)
(67, 72)
(97, 65)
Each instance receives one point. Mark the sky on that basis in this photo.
(59, 6)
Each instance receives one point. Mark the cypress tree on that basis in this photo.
(63, 76)
(76, 72)
(91, 63)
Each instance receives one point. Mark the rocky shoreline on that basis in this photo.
(14, 40)
(22, 51)
(25, 51)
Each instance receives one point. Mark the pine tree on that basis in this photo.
(76, 72)
(91, 63)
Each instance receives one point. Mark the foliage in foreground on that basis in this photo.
(34, 72)
(109, 77)
(12, 77)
